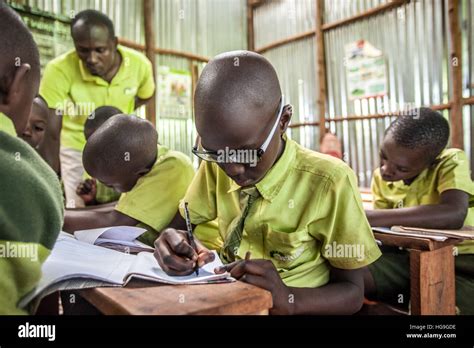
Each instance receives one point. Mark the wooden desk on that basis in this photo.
(146, 298)
(432, 282)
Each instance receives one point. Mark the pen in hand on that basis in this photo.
(189, 229)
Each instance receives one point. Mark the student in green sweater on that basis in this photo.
(31, 207)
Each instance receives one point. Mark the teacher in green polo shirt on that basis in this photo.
(97, 72)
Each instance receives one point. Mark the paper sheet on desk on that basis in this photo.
(418, 235)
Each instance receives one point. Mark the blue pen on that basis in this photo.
(189, 228)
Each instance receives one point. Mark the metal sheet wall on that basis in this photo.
(415, 40)
(203, 27)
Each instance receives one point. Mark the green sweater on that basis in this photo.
(31, 216)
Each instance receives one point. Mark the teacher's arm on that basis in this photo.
(139, 102)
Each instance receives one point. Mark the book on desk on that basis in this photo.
(74, 264)
(465, 233)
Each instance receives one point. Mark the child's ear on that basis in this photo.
(13, 89)
(286, 118)
(143, 171)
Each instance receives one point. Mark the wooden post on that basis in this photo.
(432, 282)
(457, 134)
(149, 15)
(194, 79)
(321, 67)
(250, 32)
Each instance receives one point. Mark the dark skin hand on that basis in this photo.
(87, 190)
(75, 220)
(344, 293)
(399, 163)
(176, 256)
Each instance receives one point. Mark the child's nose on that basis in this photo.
(387, 170)
(233, 169)
(27, 131)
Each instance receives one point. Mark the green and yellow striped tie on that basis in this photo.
(232, 242)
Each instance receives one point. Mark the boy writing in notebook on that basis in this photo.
(91, 191)
(290, 207)
(123, 154)
(30, 196)
(420, 183)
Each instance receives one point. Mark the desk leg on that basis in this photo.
(432, 282)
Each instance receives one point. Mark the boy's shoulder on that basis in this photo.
(320, 165)
(178, 158)
(448, 155)
(134, 55)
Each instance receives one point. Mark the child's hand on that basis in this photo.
(87, 190)
(262, 273)
(176, 256)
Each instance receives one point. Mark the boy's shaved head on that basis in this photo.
(239, 89)
(120, 151)
(98, 118)
(18, 50)
(237, 103)
(427, 130)
(16, 43)
(411, 144)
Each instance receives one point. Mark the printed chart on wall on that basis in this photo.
(174, 88)
(366, 70)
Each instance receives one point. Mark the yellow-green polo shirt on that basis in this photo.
(449, 172)
(68, 86)
(6, 125)
(154, 200)
(309, 215)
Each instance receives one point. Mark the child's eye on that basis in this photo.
(39, 129)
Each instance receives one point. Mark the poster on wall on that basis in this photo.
(174, 88)
(366, 70)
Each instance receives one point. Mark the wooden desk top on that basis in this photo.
(411, 242)
(146, 298)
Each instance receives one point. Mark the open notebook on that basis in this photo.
(73, 259)
(121, 238)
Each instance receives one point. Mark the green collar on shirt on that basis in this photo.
(274, 179)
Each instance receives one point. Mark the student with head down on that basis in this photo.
(292, 208)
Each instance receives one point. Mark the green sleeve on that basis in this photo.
(147, 83)
(344, 224)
